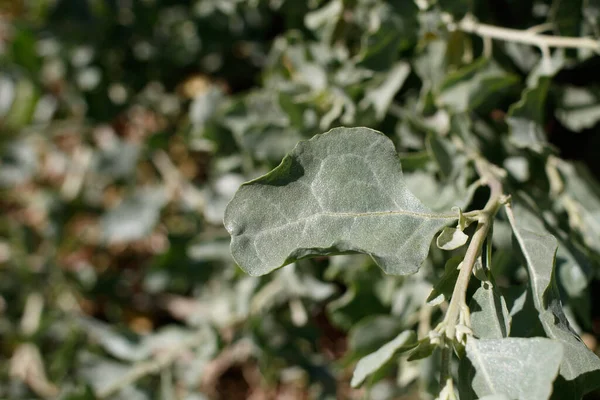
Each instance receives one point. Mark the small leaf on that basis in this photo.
(442, 153)
(451, 238)
(444, 286)
(579, 108)
(423, 349)
(463, 222)
(518, 368)
(526, 117)
(490, 318)
(581, 201)
(381, 97)
(370, 334)
(374, 361)
(134, 218)
(340, 192)
(473, 85)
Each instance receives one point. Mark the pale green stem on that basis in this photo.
(531, 37)
(458, 301)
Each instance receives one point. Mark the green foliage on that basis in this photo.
(127, 129)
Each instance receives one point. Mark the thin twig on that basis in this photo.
(528, 36)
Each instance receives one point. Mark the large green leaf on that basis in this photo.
(340, 192)
(580, 367)
(518, 368)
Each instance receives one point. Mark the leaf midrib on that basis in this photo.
(363, 215)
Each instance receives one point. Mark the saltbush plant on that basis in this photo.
(343, 192)
(450, 248)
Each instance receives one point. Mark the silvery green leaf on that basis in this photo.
(443, 153)
(572, 265)
(505, 366)
(471, 86)
(445, 285)
(114, 343)
(581, 200)
(370, 334)
(423, 349)
(526, 117)
(430, 65)
(518, 167)
(374, 361)
(546, 68)
(490, 318)
(101, 373)
(134, 218)
(325, 17)
(381, 97)
(524, 56)
(340, 192)
(579, 108)
(451, 238)
(580, 367)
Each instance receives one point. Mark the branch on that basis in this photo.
(529, 36)
(458, 302)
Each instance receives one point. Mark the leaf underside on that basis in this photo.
(339, 192)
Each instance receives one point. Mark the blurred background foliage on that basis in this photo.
(127, 125)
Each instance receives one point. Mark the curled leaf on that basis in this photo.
(451, 238)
